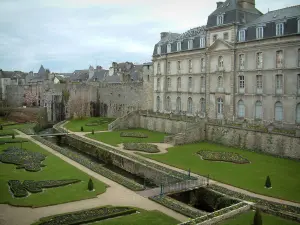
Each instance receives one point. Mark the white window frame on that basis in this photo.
(158, 50)
(169, 82)
(241, 109)
(220, 104)
(202, 42)
(178, 46)
(202, 64)
(169, 48)
(279, 81)
(220, 61)
(279, 29)
(241, 82)
(279, 64)
(259, 32)
(259, 60)
(190, 105)
(242, 35)
(202, 105)
(278, 111)
(168, 103)
(259, 82)
(190, 83)
(258, 110)
(178, 104)
(190, 44)
(242, 61)
(220, 19)
(220, 82)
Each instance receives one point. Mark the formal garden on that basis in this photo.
(31, 176)
(89, 124)
(7, 127)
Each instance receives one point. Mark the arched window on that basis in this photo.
(202, 105)
(298, 113)
(220, 81)
(157, 103)
(220, 106)
(158, 84)
(190, 105)
(178, 82)
(168, 104)
(258, 110)
(241, 108)
(221, 61)
(178, 104)
(278, 111)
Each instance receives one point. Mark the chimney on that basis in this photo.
(219, 4)
(163, 35)
(247, 4)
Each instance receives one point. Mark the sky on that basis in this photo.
(65, 35)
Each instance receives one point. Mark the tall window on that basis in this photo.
(299, 55)
(178, 104)
(178, 82)
(190, 66)
(178, 66)
(190, 105)
(202, 42)
(298, 82)
(258, 110)
(168, 48)
(158, 103)
(159, 50)
(259, 60)
(279, 59)
(279, 29)
(278, 111)
(241, 81)
(242, 35)
(221, 61)
(168, 104)
(215, 37)
(220, 81)
(178, 46)
(242, 61)
(158, 68)
(190, 44)
(202, 65)
(259, 81)
(298, 113)
(225, 36)
(202, 82)
(169, 67)
(202, 105)
(259, 32)
(190, 82)
(220, 19)
(158, 84)
(279, 81)
(169, 82)
(298, 26)
(220, 106)
(241, 109)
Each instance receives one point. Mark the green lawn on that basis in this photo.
(55, 169)
(76, 124)
(144, 217)
(113, 138)
(283, 172)
(247, 219)
(9, 129)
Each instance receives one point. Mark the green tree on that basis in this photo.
(90, 185)
(13, 136)
(81, 128)
(1, 127)
(257, 220)
(268, 182)
(93, 132)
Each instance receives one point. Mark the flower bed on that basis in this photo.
(30, 161)
(144, 147)
(178, 206)
(133, 134)
(222, 156)
(21, 190)
(88, 216)
(96, 167)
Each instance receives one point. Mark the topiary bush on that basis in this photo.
(81, 129)
(257, 220)
(268, 182)
(93, 132)
(90, 185)
(1, 127)
(13, 136)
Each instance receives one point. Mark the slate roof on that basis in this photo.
(148, 64)
(112, 79)
(13, 74)
(99, 75)
(42, 70)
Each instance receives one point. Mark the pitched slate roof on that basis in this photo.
(42, 70)
(99, 75)
(112, 79)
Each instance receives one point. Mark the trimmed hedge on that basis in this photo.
(9, 141)
(30, 161)
(88, 216)
(222, 156)
(144, 147)
(6, 133)
(96, 167)
(17, 189)
(133, 134)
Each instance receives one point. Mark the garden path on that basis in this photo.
(115, 194)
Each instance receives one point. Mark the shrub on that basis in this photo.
(93, 132)
(222, 156)
(13, 136)
(90, 185)
(150, 148)
(133, 134)
(268, 182)
(1, 127)
(257, 218)
(81, 128)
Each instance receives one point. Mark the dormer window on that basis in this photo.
(259, 32)
(279, 29)
(202, 42)
(190, 44)
(242, 35)
(220, 19)
(168, 48)
(159, 50)
(178, 46)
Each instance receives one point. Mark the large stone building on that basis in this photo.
(242, 65)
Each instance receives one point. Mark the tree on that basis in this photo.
(257, 220)
(1, 127)
(268, 182)
(13, 136)
(93, 131)
(79, 107)
(90, 185)
(81, 128)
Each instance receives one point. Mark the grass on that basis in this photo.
(283, 172)
(76, 124)
(144, 217)
(8, 130)
(113, 138)
(247, 218)
(55, 169)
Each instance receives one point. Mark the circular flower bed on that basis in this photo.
(144, 147)
(133, 134)
(222, 156)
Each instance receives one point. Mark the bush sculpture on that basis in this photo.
(81, 129)
(90, 185)
(13, 136)
(93, 132)
(268, 182)
(257, 218)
